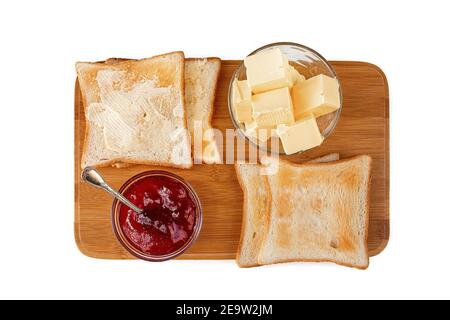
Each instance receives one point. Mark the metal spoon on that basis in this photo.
(93, 177)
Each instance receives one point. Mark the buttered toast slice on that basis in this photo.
(201, 76)
(200, 82)
(257, 204)
(200, 79)
(135, 112)
(319, 212)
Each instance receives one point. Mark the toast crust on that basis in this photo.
(244, 222)
(118, 62)
(317, 261)
(128, 163)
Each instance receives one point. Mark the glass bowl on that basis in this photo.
(309, 63)
(115, 215)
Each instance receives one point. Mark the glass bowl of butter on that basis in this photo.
(285, 98)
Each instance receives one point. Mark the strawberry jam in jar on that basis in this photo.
(170, 221)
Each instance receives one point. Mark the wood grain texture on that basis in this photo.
(362, 129)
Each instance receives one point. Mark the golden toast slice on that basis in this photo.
(317, 212)
(257, 202)
(135, 112)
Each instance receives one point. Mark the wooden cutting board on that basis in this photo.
(362, 129)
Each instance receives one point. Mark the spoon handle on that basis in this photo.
(93, 177)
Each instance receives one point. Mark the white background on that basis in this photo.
(40, 42)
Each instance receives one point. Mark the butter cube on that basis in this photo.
(302, 135)
(250, 126)
(242, 104)
(244, 90)
(211, 154)
(260, 134)
(236, 93)
(272, 108)
(267, 70)
(318, 95)
(295, 76)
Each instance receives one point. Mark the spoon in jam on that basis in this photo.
(93, 177)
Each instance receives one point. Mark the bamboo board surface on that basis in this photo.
(363, 128)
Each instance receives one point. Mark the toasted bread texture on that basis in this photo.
(257, 203)
(200, 82)
(135, 112)
(317, 212)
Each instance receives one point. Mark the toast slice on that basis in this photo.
(135, 112)
(319, 212)
(201, 75)
(257, 202)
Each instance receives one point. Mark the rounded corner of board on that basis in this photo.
(81, 248)
(380, 72)
(380, 248)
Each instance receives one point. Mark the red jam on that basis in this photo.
(169, 215)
